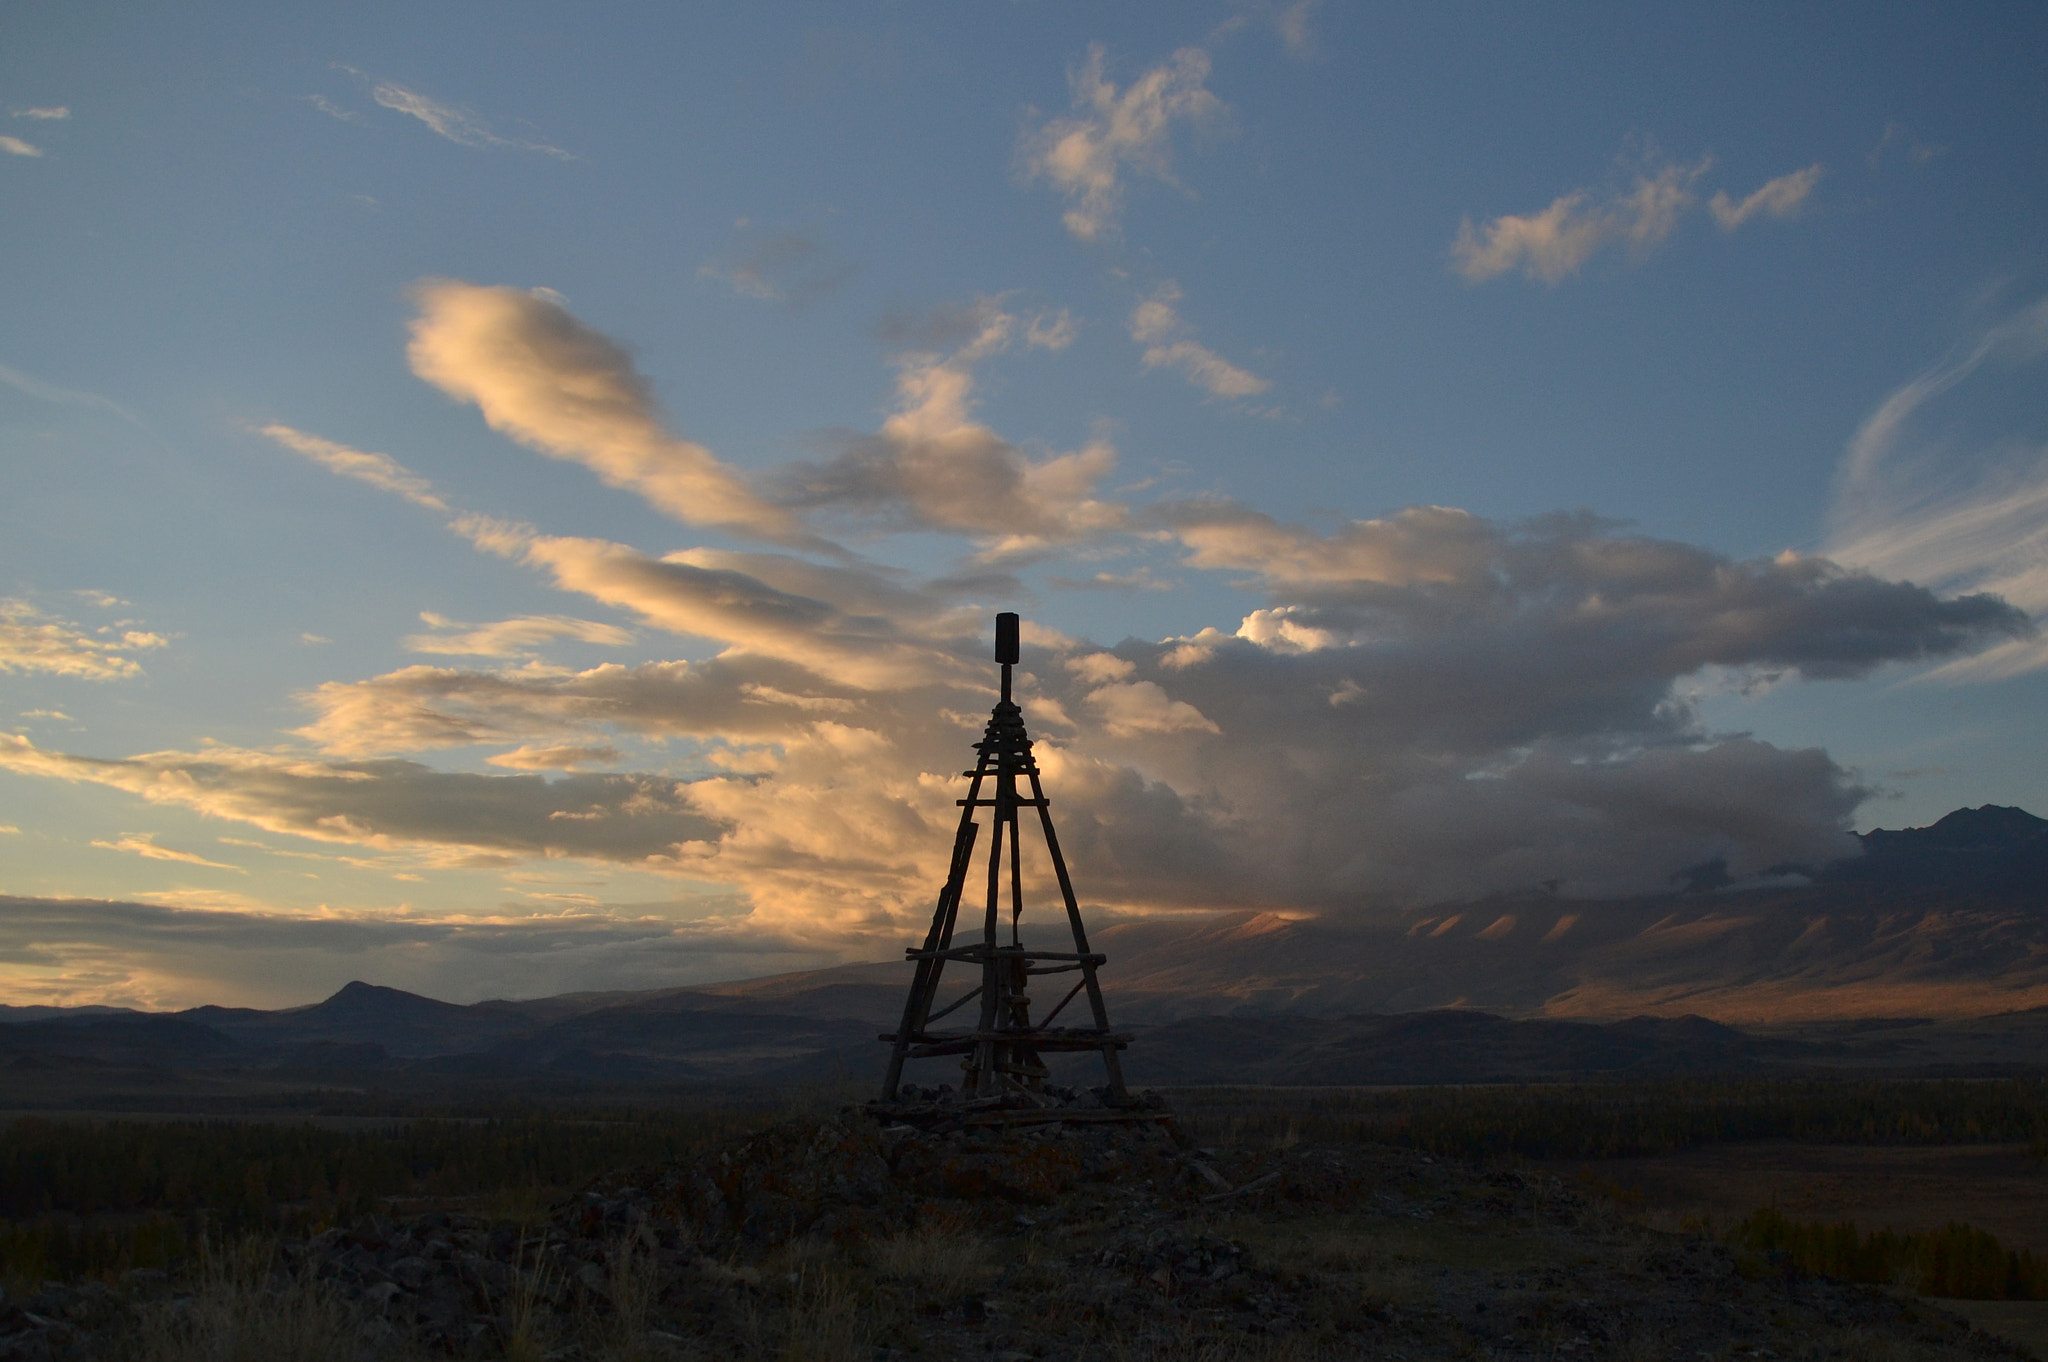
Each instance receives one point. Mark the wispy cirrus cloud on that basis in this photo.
(458, 125)
(1779, 198)
(47, 113)
(1113, 132)
(1156, 324)
(1962, 512)
(331, 109)
(143, 844)
(45, 391)
(518, 637)
(379, 470)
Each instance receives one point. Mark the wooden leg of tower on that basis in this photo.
(1115, 1066)
(924, 983)
(1110, 1060)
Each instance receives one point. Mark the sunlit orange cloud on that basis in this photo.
(550, 382)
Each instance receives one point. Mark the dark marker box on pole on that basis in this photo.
(1006, 637)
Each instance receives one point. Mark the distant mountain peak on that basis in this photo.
(357, 996)
(1987, 825)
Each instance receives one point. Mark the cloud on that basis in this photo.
(216, 948)
(473, 819)
(457, 125)
(1050, 331)
(14, 146)
(64, 397)
(1138, 579)
(1780, 198)
(1292, 24)
(1419, 706)
(33, 641)
(1156, 325)
(783, 267)
(545, 379)
(1897, 136)
(559, 758)
(1429, 705)
(144, 844)
(1085, 155)
(512, 638)
(933, 466)
(1554, 244)
(55, 111)
(1130, 708)
(379, 470)
(1960, 509)
(1641, 607)
(331, 109)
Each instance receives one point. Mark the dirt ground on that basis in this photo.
(1907, 1189)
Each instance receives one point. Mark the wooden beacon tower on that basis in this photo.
(1001, 1052)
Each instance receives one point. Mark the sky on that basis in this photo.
(503, 499)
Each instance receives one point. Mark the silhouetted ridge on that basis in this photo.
(1993, 849)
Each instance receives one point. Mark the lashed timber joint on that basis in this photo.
(1001, 1053)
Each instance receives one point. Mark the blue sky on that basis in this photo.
(659, 401)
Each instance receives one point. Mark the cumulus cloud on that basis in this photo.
(1087, 154)
(33, 641)
(544, 378)
(1430, 705)
(144, 844)
(1956, 507)
(1156, 324)
(1555, 244)
(932, 465)
(1779, 198)
(519, 637)
(379, 470)
(14, 146)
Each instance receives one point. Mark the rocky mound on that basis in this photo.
(852, 1239)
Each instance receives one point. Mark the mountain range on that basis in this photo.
(1927, 952)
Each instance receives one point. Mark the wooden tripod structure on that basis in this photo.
(1002, 1050)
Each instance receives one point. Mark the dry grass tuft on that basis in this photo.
(244, 1311)
(943, 1263)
